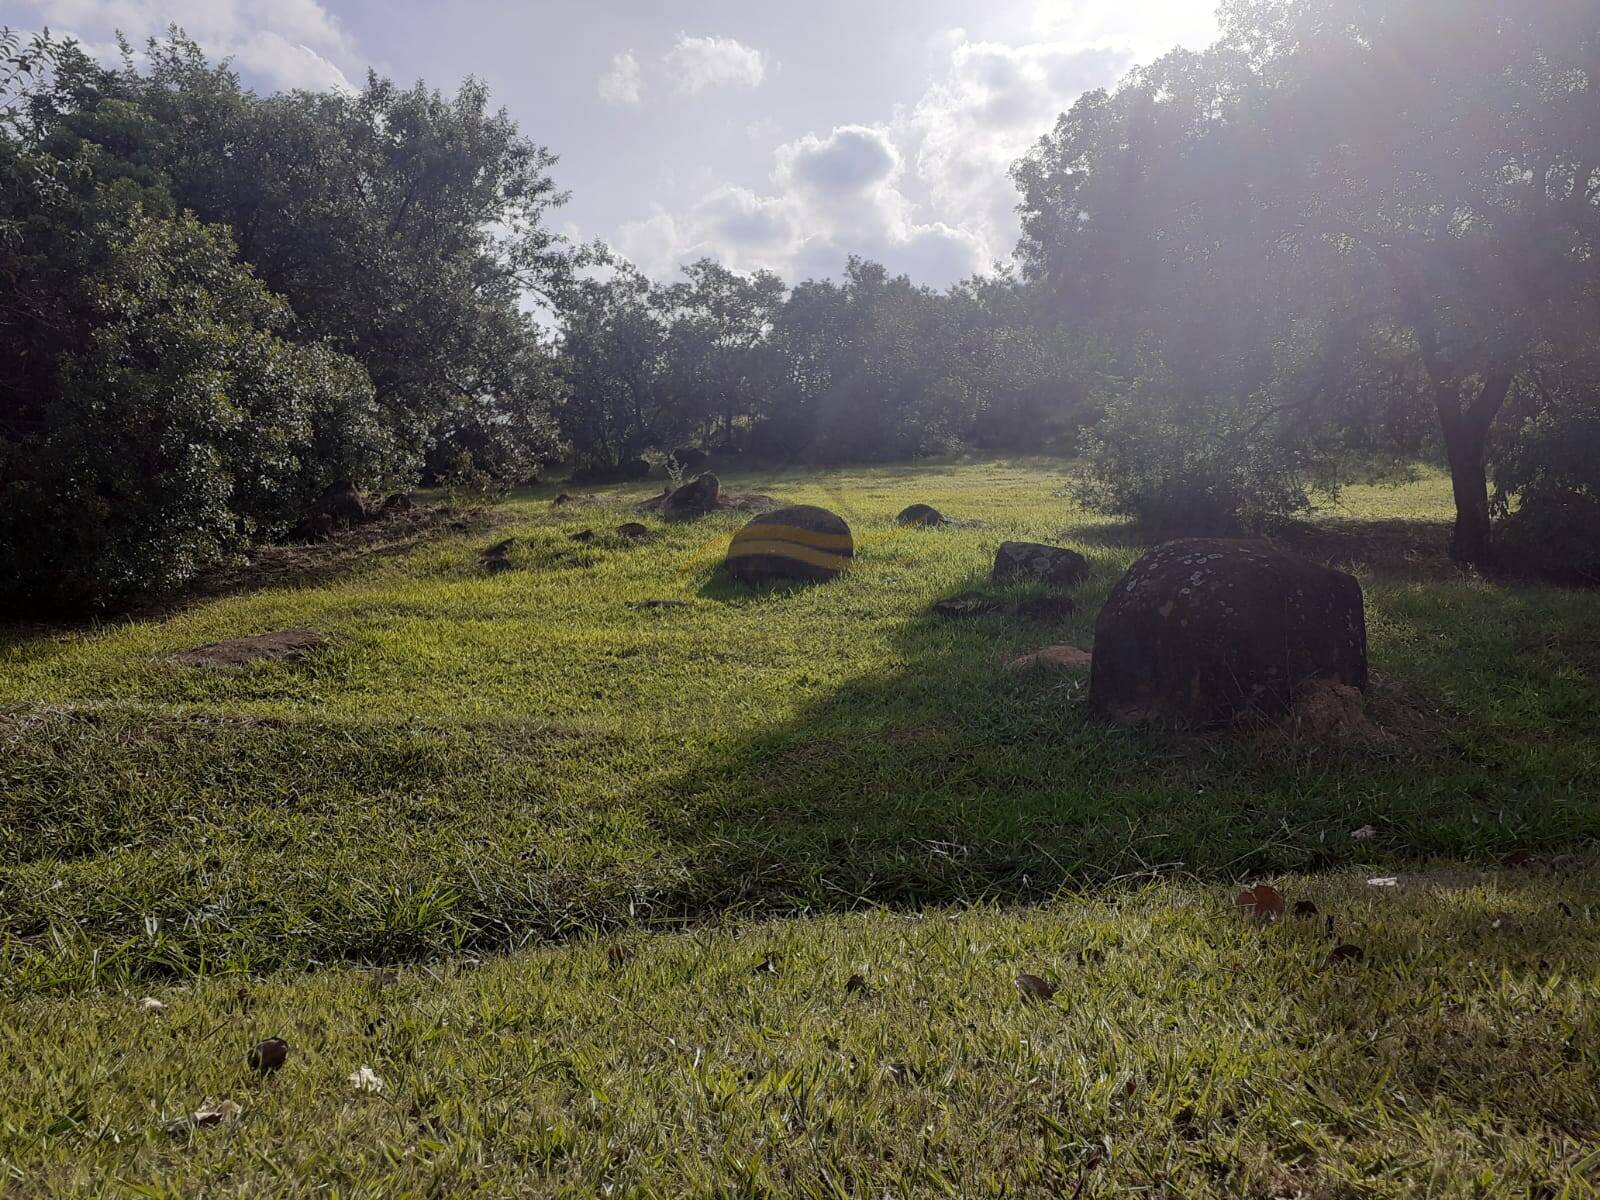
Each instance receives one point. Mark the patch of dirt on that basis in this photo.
(1070, 657)
(282, 645)
(1333, 714)
(397, 532)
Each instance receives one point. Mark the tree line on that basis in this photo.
(1350, 235)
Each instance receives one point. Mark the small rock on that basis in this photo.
(967, 604)
(1029, 562)
(921, 514)
(694, 499)
(266, 1057)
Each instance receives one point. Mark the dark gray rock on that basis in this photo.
(922, 514)
(1029, 562)
(1204, 630)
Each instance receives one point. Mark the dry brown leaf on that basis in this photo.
(1263, 902)
(266, 1057)
(1035, 990)
(210, 1114)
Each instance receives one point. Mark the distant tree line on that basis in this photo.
(871, 367)
(1352, 233)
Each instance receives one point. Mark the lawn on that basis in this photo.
(531, 768)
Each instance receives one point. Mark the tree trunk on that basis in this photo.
(1466, 441)
(1467, 450)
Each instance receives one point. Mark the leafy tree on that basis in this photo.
(151, 420)
(615, 338)
(725, 368)
(403, 226)
(1422, 176)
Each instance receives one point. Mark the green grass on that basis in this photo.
(512, 765)
(1188, 1052)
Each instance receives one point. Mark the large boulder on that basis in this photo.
(694, 499)
(801, 543)
(1204, 630)
(1029, 562)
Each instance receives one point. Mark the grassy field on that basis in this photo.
(486, 765)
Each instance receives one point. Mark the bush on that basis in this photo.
(1546, 467)
(1182, 468)
(153, 421)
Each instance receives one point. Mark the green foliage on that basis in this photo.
(1181, 468)
(1418, 177)
(403, 226)
(1546, 467)
(153, 420)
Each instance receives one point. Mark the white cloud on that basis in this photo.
(833, 195)
(621, 83)
(698, 63)
(284, 44)
(851, 159)
(993, 103)
(929, 191)
(1143, 28)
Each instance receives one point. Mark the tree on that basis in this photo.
(614, 363)
(151, 418)
(725, 368)
(403, 226)
(1420, 175)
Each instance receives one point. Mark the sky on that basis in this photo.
(762, 133)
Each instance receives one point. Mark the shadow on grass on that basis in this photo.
(954, 779)
(282, 565)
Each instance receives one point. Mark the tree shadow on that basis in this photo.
(343, 556)
(952, 779)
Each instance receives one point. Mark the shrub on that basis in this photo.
(1546, 466)
(152, 421)
(1182, 468)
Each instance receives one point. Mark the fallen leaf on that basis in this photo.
(1344, 953)
(1304, 908)
(1263, 902)
(266, 1057)
(365, 1079)
(1365, 833)
(1035, 990)
(151, 1005)
(214, 1114)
